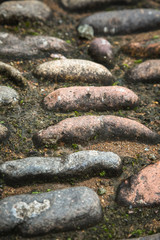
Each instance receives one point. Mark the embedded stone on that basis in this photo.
(101, 50)
(144, 49)
(83, 4)
(85, 31)
(148, 71)
(8, 96)
(76, 164)
(150, 237)
(90, 98)
(31, 46)
(13, 12)
(123, 21)
(3, 133)
(59, 210)
(100, 127)
(75, 70)
(142, 189)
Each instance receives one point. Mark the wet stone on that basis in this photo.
(13, 12)
(61, 210)
(83, 4)
(123, 21)
(75, 70)
(150, 237)
(3, 133)
(85, 31)
(77, 164)
(144, 49)
(13, 47)
(148, 71)
(95, 127)
(8, 96)
(142, 189)
(101, 50)
(90, 98)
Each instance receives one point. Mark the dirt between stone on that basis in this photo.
(29, 116)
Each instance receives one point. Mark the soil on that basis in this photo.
(29, 116)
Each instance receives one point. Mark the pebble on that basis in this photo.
(142, 189)
(8, 96)
(148, 71)
(90, 98)
(76, 70)
(152, 157)
(95, 127)
(101, 50)
(13, 12)
(86, 31)
(57, 211)
(3, 133)
(101, 191)
(13, 47)
(123, 21)
(82, 5)
(83, 162)
(150, 237)
(144, 49)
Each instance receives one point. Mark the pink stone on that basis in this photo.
(142, 189)
(90, 98)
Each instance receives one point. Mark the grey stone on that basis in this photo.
(150, 237)
(8, 96)
(95, 127)
(3, 133)
(13, 47)
(101, 191)
(85, 31)
(76, 70)
(13, 12)
(61, 210)
(123, 21)
(79, 163)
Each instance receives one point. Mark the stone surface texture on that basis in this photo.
(150, 237)
(85, 31)
(8, 96)
(75, 70)
(14, 47)
(60, 210)
(101, 50)
(3, 133)
(46, 167)
(123, 21)
(16, 11)
(148, 71)
(100, 127)
(90, 98)
(142, 189)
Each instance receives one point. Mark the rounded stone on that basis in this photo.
(3, 133)
(8, 96)
(85, 31)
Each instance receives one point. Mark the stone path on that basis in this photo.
(59, 114)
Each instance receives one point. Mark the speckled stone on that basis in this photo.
(8, 96)
(100, 127)
(3, 133)
(13, 47)
(142, 189)
(90, 98)
(24, 170)
(75, 70)
(13, 12)
(61, 210)
(148, 71)
(123, 21)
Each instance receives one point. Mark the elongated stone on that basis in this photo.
(60, 210)
(75, 70)
(123, 21)
(8, 96)
(148, 71)
(25, 170)
(13, 12)
(3, 133)
(100, 127)
(142, 189)
(83, 4)
(90, 98)
(144, 49)
(14, 47)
